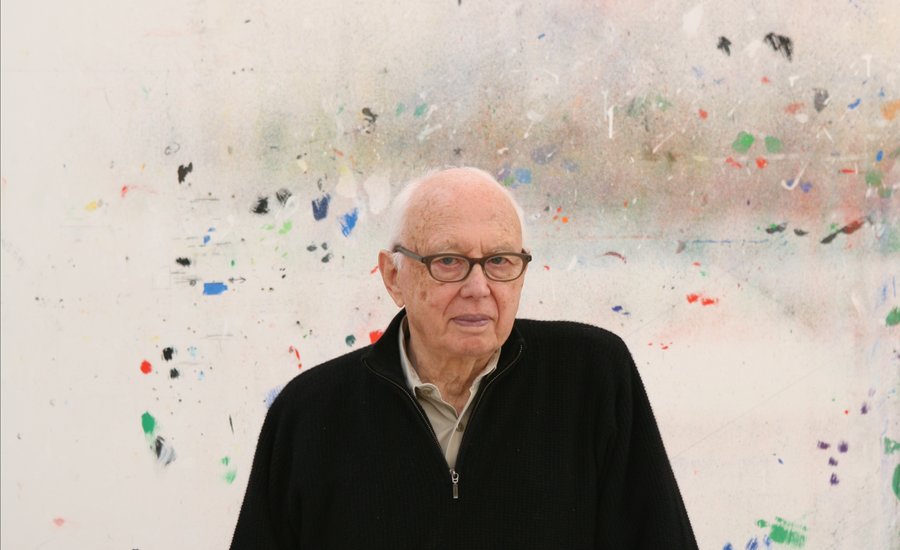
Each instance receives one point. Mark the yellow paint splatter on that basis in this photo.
(93, 205)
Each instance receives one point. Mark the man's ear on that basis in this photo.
(390, 275)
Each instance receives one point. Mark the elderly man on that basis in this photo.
(464, 427)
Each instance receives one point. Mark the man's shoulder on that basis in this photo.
(324, 380)
(568, 332)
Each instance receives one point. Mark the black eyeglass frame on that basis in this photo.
(426, 260)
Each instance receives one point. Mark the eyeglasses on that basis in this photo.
(452, 268)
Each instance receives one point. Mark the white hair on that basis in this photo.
(400, 206)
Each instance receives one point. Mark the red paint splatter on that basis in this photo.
(730, 161)
(851, 227)
(58, 522)
(146, 367)
(375, 335)
(703, 114)
(546, 268)
(374, 269)
(296, 353)
(625, 204)
(848, 171)
(696, 264)
(338, 152)
(761, 162)
(765, 80)
(124, 190)
(846, 412)
(704, 300)
(793, 108)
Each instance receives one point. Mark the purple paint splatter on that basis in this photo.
(822, 445)
(843, 447)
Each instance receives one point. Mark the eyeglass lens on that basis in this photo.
(501, 267)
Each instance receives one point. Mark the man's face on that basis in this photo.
(471, 318)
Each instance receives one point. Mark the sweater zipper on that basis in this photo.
(454, 475)
(481, 393)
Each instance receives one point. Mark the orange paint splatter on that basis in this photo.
(146, 367)
(565, 219)
(375, 335)
(761, 162)
(890, 109)
(793, 108)
(703, 114)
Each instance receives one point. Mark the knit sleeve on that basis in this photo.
(266, 520)
(640, 506)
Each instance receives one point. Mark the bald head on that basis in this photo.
(442, 196)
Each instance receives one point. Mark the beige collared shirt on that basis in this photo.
(447, 425)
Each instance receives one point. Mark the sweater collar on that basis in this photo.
(383, 356)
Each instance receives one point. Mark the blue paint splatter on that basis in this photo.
(570, 165)
(728, 546)
(206, 237)
(523, 175)
(620, 309)
(212, 289)
(542, 35)
(348, 221)
(752, 544)
(855, 104)
(806, 186)
(320, 207)
(878, 156)
(193, 351)
(201, 375)
(271, 395)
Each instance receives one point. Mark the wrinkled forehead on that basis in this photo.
(445, 210)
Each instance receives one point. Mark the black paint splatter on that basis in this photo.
(724, 45)
(261, 206)
(173, 373)
(780, 43)
(312, 248)
(327, 258)
(164, 451)
(821, 98)
(183, 261)
(283, 195)
(168, 353)
(800, 232)
(183, 171)
(776, 228)
(370, 116)
(847, 229)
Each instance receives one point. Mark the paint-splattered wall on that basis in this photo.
(193, 195)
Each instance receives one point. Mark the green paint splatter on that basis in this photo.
(269, 227)
(420, 110)
(893, 318)
(232, 263)
(148, 423)
(636, 107)
(773, 144)
(895, 485)
(891, 446)
(226, 460)
(350, 340)
(662, 103)
(229, 476)
(743, 142)
(785, 532)
(873, 178)
(401, 108)
(286, 227)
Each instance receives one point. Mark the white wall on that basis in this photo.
(625, 117)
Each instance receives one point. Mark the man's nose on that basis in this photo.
(477, 283)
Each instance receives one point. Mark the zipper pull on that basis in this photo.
(454, 479)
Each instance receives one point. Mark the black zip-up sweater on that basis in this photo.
(561, 451)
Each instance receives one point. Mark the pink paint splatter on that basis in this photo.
(731, 162)
(59, 521)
